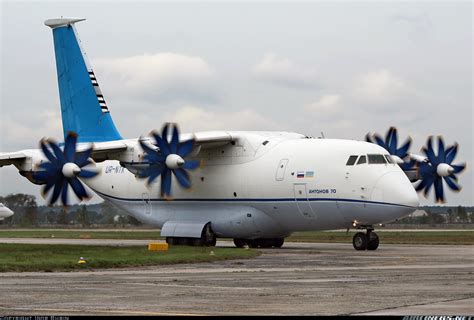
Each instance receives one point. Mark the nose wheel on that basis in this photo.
(366, 241)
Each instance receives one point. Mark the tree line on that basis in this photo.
(27, 213)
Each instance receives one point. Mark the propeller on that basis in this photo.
(439, 168)
(168, 160)
(391, 145)
(63, 169)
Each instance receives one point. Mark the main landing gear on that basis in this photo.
(365, 241)
(259, 243)
(208, 239)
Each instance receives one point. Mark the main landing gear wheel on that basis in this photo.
(366, 241)
(373, 241)
(260, 243)
(359, 241)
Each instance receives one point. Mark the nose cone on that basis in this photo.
(395, 188)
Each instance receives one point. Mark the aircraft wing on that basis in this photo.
(122, 149)
(11, 158)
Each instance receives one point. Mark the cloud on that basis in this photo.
(282, 71)
(161, 76)
(193, 118)
(379, 86)
(27, 132)
(327, 104)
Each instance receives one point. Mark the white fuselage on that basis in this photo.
(253, 188)
(4, 212)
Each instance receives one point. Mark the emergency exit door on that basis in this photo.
(302, 202)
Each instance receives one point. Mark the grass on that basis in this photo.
(389, 237)
(49, 258)
(81, 234)
(386, 236)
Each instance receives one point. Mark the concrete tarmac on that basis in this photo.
(299, 279)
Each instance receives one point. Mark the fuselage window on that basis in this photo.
(376, 159)
(389, 158)
(362, 160)
(351, 160)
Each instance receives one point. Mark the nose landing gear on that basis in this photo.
(365, 241)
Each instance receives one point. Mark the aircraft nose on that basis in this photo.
(394, 187)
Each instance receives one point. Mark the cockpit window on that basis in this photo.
(362, 159)
(389, 158)
(351, 160)
(376, 159)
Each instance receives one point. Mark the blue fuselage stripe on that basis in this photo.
(254, 200)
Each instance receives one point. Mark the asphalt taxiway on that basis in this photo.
(299, 279)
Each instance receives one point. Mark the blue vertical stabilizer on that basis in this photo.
(83, 107)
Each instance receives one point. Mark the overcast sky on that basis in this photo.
(342, 68)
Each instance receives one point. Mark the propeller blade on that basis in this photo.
(183, 178)
(166, 183)
(82, 158)
(459, 167)
(57, 151)
(78, 188)
(441, 151)
(174, 140)
(57, 190)
(47, 187)
(403, 151)
(451, 153)
(46, 151)
(164, 131)
(379, 141)
(185, 148)
(439, 193)
(392, 140)
(154, 173)
(430, 152)
(191, 164)
(64, 191)
(451, 182)
(368, 138)
(70, 146)
(87, 173)
(162, 144)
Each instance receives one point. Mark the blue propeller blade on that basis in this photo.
(70, 147)
(174, 140)
(64, 191)
(166, 183)
(451, 153)
(191, 164)
(47, 153)
(439, 193)
(82, 158)
(451, 182)
(428, 171)
(183, 178)
(57, 152)
(185, 148)
(157, 160)
(78, 188)
(51, 173)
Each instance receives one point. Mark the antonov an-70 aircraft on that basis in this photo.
(254, 187)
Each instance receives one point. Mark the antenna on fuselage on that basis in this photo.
(322, 136)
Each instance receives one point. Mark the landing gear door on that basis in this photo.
(280, 173)
(146, 203)
(302, 201)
